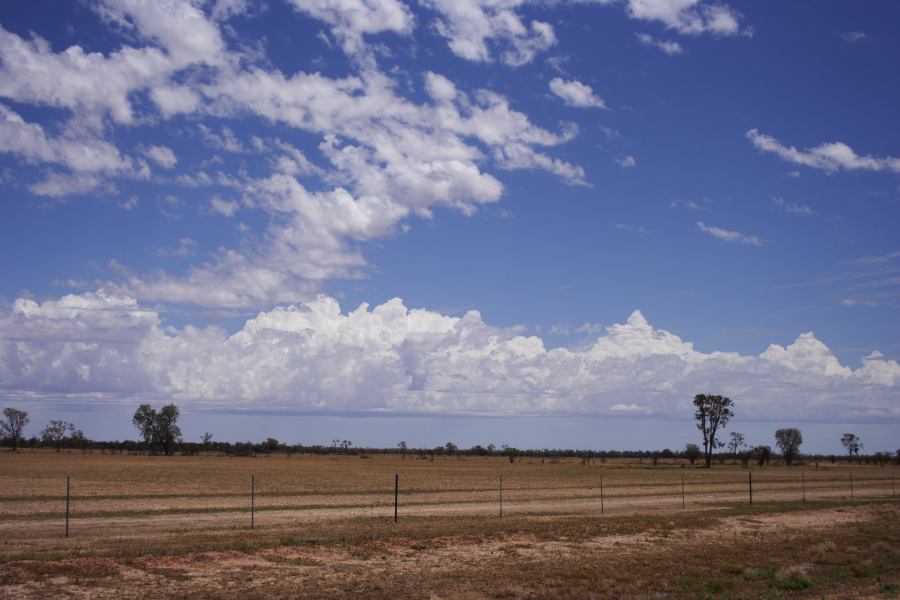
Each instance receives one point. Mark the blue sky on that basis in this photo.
(563, 219)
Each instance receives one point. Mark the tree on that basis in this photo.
(15, 423)
(55, 432)
(761, 454)
(788, 440)
(736, 443)
(712, 413)
(851, 443)
(450, 448)
(402, 446)
(510, 453)
(692, 452)
(158, 428)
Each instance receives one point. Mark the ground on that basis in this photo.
(180, 526)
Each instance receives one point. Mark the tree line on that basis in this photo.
(160, 434)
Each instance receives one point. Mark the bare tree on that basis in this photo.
(55, 432)
(712, 413)
(15, 423)
(788, 440)
(736, 443)
(402, 446)
(851, 443)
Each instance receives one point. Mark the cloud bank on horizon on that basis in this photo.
(307, 163)
(102, 347)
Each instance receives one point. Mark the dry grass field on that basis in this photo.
(146, 526)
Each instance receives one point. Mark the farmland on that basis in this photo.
(324, 524)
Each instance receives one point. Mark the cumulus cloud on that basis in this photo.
(350, 20)
(626, 162)
(575, 93)
(828, 157)
(314, 357)
(29, 141)
(161, 155)
(729, 236)
(691, 17)
(477, 29)
(666, 46)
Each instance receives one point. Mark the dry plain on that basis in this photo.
(323, 527)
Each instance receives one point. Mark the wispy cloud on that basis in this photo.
(829, 157)
(667, 46)
(729, 236)
(852, 36)
(631, 229)
(792, 207)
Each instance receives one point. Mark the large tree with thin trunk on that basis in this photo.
(55, 432)
(788, 440)
(158, 428)
(712, 414)
(13, 425)
(851, 443)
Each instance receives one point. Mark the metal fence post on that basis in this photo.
(601, 494)
(252, 501)
(750, 485)
(803, 485)
(851, 486)
(68, 496)
(396, 494)
(682, 490)
(501, 496)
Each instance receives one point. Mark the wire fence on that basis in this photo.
(93, 514)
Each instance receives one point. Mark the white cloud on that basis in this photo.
(626, 162)
(792, 207)
(632, 229)
(312, 357)
(829, 157)
(689, 16)
(667, 46)
(575, 93)
(853, 36)
(386, 157)
(477, 29)
(225, 208)
(350, 20)
(84, 155)
(161, 155)
(729, 236)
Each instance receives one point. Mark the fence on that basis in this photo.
(284, 507)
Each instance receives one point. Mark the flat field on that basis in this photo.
(323, 526)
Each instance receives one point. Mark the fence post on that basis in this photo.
(252, 501)
(893, 487)
(682, 490)
(501, 496)
(601, 494)
(68, 495)
(750, 484)
(396, 494)
(851, 486)
(803, 485)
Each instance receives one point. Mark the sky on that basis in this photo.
(541, 223)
